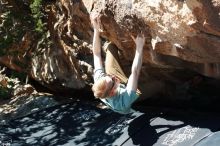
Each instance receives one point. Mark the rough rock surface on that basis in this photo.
(185, 30)
(22, 99)
(182, 41)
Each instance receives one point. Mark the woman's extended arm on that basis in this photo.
(96, 47)
(137, 63)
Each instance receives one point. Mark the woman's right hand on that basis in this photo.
(139, 41)
(95, 20)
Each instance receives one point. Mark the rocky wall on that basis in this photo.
(182, 41)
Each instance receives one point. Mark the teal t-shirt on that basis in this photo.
(122, 101)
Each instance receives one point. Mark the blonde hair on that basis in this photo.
(99, 88)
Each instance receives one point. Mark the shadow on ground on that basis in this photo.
(80, 123)
(72, 123)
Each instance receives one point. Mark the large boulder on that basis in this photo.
(184, 31)
(182, 42)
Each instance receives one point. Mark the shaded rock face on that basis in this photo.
(58, 59)
(182, 41)
(65, 64)
(18, 99)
